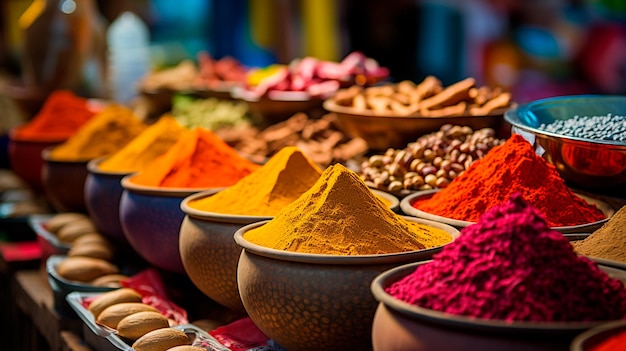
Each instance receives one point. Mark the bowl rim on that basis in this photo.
(215, 216)
(93, 167)
(386, 278)
(36, 222)
(332, 106)
(405, 205)
(343, 259)
(395, 202)
(46, 156)
(597, 334)
(70, 285)
(512, 117)
(12, 135)
(128, 185)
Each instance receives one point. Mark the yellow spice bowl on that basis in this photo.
(312, 301)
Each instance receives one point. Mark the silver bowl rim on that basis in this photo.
(291, 256)
(512, 117)
(384, 279)
(578, 344)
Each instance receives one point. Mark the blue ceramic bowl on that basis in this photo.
(151, 218)
(586, 162)
(103, 192)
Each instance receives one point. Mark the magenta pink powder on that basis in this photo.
(511, 266)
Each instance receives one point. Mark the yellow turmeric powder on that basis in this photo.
(339, 215)
(147, 146)
(264, 192)
(103, 135)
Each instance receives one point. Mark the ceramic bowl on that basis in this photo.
(64, 183)
(151, 218)
(407, 208)
(400, 326)
(49, 243)
(592, 338)
(26, 160)
(580, 160)
(103, 192)
(387, 130)
(209, 253)
(315, 302)
(277, 106)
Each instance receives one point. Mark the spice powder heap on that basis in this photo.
(146, 147)
(339, 215)
(61, 116)
(512, 167)
(266, 191)
(607, 242)
(103, 135)
(511, 266)
(199, 160)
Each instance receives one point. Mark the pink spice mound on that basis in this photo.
(511, 266)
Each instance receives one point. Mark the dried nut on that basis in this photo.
(461, 158)
(418, 181)
(429, 155)
(464, 148)
(425, 187)
(376, 161)
(452, 175)
(390, 151)
(396, 170)
(457, 167)
(431, 180)
(468, 163)
(418, 150)
(387, 159)
(437, 161)
(399, 157)
(445, 165)
(441, 173)
(428, 170)
(395, 186)
(456, 132)
(411, 175)
(442, 183)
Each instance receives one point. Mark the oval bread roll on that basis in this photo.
(137, 324)
(71, 231)
(109, 280)
(161, 340)
(84, 269)
(111, 298)
(92, 238)
(186, 348)
(93, 249)
(56, 222)
(113, 314)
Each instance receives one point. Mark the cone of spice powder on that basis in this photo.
(608, 242)
(199, 160)
(339, 215)
(266, 191)
(511, 266)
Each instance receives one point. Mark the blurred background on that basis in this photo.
(533, 48)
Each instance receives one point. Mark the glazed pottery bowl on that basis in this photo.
(406, 204)
(209, 253)
(151, 219)
(592, 338)
(382, 130)
(64, 183)
(277, 106)
(26, 160)
(400, 326)
(584, 161)
(315, 302)
(103, 192)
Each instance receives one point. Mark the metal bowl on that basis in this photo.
(400, 326)
(388, 130)
(595, 336)
(579, 160)
(406, 204)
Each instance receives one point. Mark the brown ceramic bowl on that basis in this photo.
(400, 326)
(209, 253)
(64, 183)
(26, 161)
(389, 130)
(408, 209)
(593, 337)
(151, 218)
(315, 302)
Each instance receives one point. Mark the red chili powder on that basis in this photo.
(511, 266)
(512, 167)
(61, 116)
(199, 160)
(612, 343)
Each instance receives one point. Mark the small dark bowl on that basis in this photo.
(315, 302)
(151, 218)
(49, 243)
(400, 326)
(26, 161)
(407, 208)
(209, 253)
(103, 192)
(64, 183)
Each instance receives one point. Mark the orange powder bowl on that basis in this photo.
(400, 326)
(209, 253)
(151, 218)
(406, 204)
(103, 192)
(64, 183)
(25, 159)
(313, 301)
